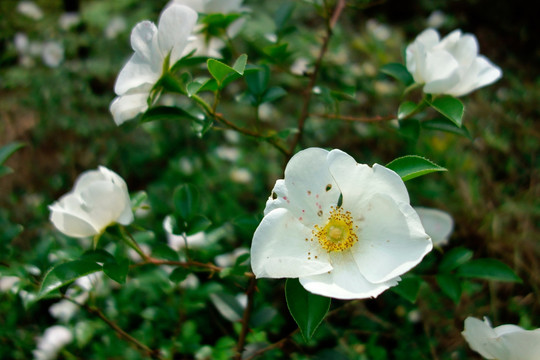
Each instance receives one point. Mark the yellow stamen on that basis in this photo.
(339, 233)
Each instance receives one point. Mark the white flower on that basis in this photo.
(177, 242)
(379, 31)
(30, 9)
(437, 223)
(152, 46)
(69, 20)
(241, 175)
(229, 259)
(53, 53)
(115, 27)
(99, 198)
(505, 342)
(449, 66)
(436, 19)
(346, 230)
(53, 339)
(7, 283)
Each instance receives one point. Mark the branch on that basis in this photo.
(275, 345)
(154, 354)
(245, 319)
(313, 77)
(184, 264)
(356, 119)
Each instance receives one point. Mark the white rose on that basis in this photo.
(99, 198)
(449, 66)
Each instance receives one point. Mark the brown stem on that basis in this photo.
(154, 354)
(313, 77)
(275, 345)
(356, 119)
(184, 264)
(245, 319)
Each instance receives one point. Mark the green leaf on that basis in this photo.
(195, 87)
(408, 288)
(443, 124)
(162, 251)
(405, 109)
(4, 170)
(257, 80)
(138, 199)
(449, 107)
(179, 274)
(273, 93)
(227, 305)
(8, 150)
(409, 128)
(240, 64)
(307, 309)
(411, 166)
(283, 14)
(66, 273)
(186, 201)
(277, 51)
(98, 255)
(223, 73)
(117, 270)
(489, 269)
(173, 84)
(166, 113)
(398, 72)
(197, 224)
(450, 286)
(454, 258)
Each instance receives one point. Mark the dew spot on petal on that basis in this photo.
(309, 192)
(319, 213)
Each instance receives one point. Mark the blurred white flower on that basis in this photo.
(300, 66)
(30, 9)
(69, 20)
(53, 53)
(204, 47)
(153, 46)
(229, 259)
(227, 153)
(177, 242)
(115, 27)
(231, 136)
(436, 19)
(64, 310)
(379, 31)
(437, 223)
(505, 342)
(346, 230)
(190, 282)
(8, 282)
(449, 66)
(51, 342)
(21, 42)
(241, 175)
(99, 198)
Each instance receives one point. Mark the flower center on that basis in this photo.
(339, 232)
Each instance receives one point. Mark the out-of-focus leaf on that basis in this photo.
(8, 150)
(443, 124)
(450, 286)
(409, 128)
(408, 288)
(179, 274)
(257, 79)
(263, 316)
(186, 201)
(307, 309)
(489, 269)
(166, 113)
(411, 166)
(227, 305)
(399, 72)
(449, 107)
(197, 224)
(162, 251)
(66, 273)
(98, 256)
(405, 109)
(138, 199)
(454, 258)
(117, 270)
(273, 93)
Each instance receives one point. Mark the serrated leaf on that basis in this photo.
(443, 124)
(227, 305)
(408, 288)
(307, 309)
(65, 274)
(411, 166)
(7, 150)
(186, 201)
(197, 224)
(398, 72)
(449, 107)
(179, 274)
(489, 269)
(166, 113)
(454, 258)
(117, 270)
(405, 109)
(450, 286)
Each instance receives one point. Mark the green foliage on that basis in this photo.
(399, 72)
(489, 269)
(65, 274)
(450, 107)
(411, 166)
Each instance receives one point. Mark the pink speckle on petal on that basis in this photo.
(284, 198)
(317, 196)
(300, 218)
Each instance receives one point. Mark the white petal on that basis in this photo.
(142, 39)
(345, 281)
(479, 334)
(428, 38)
(440, 72)
(126, 216)
(308, 189)
(129, 105)
(70, 224)
(437, 224)
(135, 74)
(391, 239)
(280, 249)
(358, 182)
(465, 50)
(174, 28)
(197, 5)
(519, 343)
(104, 202)
(481, 73)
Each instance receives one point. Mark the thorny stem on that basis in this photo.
(313, 77)
(154, 354)
(245, 319)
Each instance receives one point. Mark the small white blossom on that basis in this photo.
(229, 259)
(450, 65)
(99, 198)
(436, 19)
(52, 341)
(505, 342)
(300, 66)
(346, 230)
(8, 282)
(229, 153)
(153, 45)
(379, 31)
(53, 53)
(69, 20)
(30, 9)
(437, 223)
(177, 242)
(115, 27)
(241, 175)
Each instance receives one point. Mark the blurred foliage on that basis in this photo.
(61, 113)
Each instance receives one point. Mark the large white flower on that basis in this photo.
(51, 342)
(99, 198)
(152, 46)
(449, 66)
(505, 342)
(346, 230)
